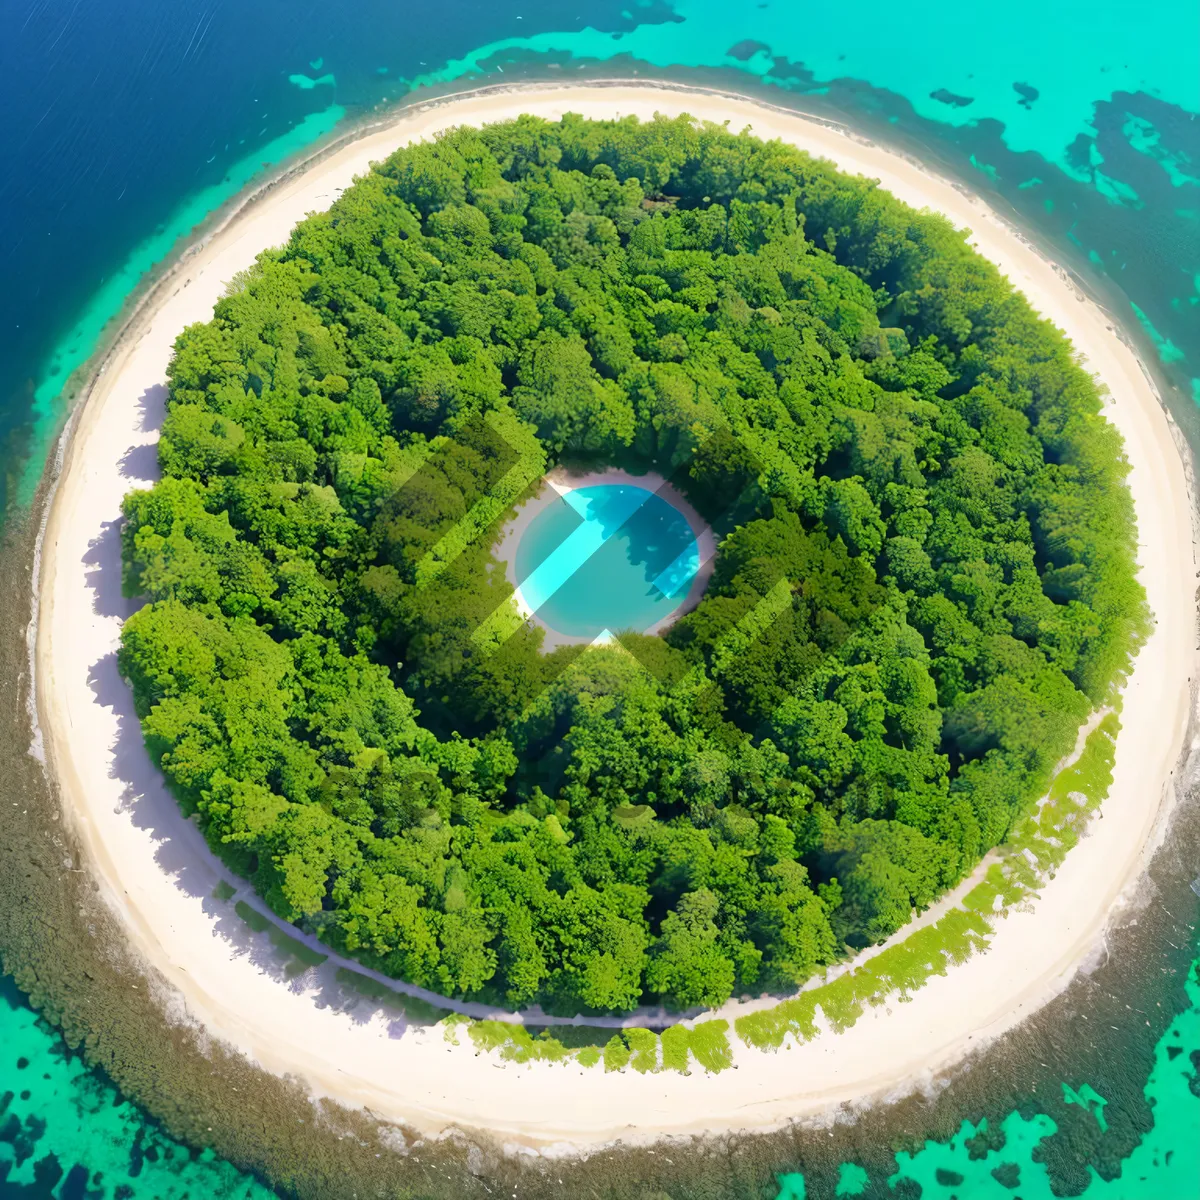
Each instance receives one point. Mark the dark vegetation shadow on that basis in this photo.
(103, 563)
(140, 462)
(153, 403)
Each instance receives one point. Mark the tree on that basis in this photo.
(687, 967)
(561, 393)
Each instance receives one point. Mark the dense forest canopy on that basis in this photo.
(925, 579)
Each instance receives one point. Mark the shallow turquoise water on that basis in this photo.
(936, 56)
(1071, 92)
(609, 557)
(65, 1131)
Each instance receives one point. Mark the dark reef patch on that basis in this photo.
(944, 96)
(1028, 94)
(744, 51)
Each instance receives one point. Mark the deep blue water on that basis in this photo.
(122, 126)
(124, 123)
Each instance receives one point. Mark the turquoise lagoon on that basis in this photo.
(605, 558)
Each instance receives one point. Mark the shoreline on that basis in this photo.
(108, 448)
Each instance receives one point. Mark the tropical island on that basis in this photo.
(925, 594)
(924, 581)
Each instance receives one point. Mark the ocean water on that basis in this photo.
(124, 126)
(65, 1131)
(606, 558)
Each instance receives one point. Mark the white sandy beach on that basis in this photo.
(155, 870)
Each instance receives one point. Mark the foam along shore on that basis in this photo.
(155, 870)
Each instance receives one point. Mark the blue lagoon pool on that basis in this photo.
(606, 558)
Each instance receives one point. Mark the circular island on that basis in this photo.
(694, 742)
